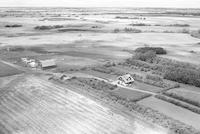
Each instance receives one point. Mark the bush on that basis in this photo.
(147, 56)
(116, 30)
(157, 50)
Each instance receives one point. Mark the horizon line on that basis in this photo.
(96, 7)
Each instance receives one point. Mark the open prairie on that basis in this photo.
(96, 28)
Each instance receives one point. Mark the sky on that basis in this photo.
(102, 3)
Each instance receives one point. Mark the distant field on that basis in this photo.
(129, 94)
(6, 70)
(173, 111)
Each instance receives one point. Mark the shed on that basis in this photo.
(45, 64)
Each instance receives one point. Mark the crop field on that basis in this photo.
(35, 106)
(6, 70)
(173, 111)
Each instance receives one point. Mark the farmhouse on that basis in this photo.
(45, 64)
(125, 80)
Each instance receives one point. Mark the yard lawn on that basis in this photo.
(186, 93)
(146, 87)
(173, 111)
(129, 94)
(6, 70)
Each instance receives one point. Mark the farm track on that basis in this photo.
(36, 106)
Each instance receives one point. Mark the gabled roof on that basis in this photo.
(47, 63)
(126, 78)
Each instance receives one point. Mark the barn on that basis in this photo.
(46, 64)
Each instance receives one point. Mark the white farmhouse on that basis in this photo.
(125, 80)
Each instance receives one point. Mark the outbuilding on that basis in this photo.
(46, 64)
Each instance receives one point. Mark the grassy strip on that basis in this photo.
(178, 97)
(177, 103)
(145, 113)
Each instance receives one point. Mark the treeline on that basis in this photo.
(48, 27)
(169, 25)
(146, 59)
(127, 30)
(182, 75)
(13, 26)
(157, 50)
(150, 79)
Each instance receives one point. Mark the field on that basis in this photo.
(36, 106)
(7, 70)
(94, 45)
(172, 111)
